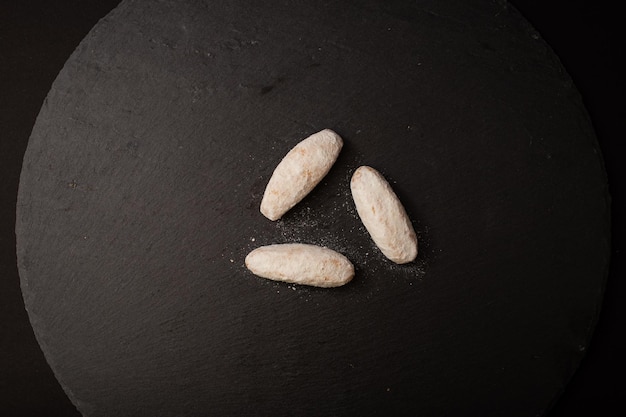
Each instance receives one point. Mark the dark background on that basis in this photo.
(36, 38)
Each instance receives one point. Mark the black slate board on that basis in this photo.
(144, 171)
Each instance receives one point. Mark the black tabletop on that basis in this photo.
(36, 40)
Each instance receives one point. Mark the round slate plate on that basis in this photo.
(139, 201)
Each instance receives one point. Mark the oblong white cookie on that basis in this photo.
(383, 215)
(300, 263)
(299, 172)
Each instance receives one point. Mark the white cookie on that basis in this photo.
(299, 263)
(383, 215)
(299, 172)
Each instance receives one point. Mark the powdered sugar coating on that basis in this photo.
(383, 215)
(300, 263)
(299, 172)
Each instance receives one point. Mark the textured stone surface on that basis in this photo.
(148, 160)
